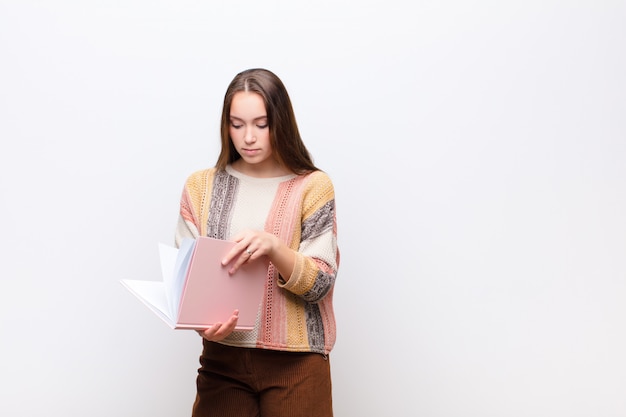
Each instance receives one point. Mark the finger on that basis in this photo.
(247, 255)
(240, 261)
(209, 333)
(227, 328)
(232, 321)
(237, 250)
(219, 331)
(234, 252)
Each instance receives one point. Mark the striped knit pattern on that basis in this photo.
(296, 313)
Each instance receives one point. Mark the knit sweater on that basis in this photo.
(296, 313)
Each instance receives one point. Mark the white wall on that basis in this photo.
(478, 150)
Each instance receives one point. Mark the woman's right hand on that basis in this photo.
(220, 331)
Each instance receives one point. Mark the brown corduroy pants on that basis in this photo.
(242, 382)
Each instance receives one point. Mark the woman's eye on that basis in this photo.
(236, 126)
(262, 126)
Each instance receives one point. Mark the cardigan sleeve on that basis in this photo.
(317, 258)
(195, 192)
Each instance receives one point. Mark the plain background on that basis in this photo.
(478, 150)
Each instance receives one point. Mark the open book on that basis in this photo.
(197, 291)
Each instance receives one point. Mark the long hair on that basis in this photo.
(285, 139)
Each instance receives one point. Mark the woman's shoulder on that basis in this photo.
(318, 187)
(319, 178)
(201, 175)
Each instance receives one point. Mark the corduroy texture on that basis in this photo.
(297, 312)
(242, 382)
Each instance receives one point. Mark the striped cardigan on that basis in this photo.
(296, 313)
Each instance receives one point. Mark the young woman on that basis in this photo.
(266, 194)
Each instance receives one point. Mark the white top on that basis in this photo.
(253, 201)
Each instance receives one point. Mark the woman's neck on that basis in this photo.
(265, 170)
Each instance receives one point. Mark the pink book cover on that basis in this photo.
(211, 294)
(197, 291)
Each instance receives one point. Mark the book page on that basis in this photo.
(168, 255)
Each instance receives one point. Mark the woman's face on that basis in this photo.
(250, 133)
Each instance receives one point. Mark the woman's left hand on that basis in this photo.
(251, 245)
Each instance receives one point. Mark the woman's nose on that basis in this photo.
(248, 136)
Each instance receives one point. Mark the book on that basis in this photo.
(196, 291)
